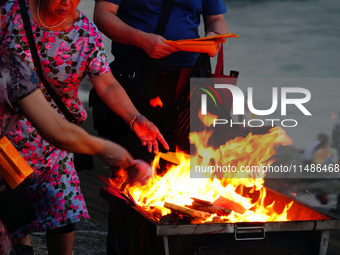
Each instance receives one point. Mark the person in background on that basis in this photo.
(322, 155)
(336, 138)
(309, 151)
(131, 25)
(70, 48)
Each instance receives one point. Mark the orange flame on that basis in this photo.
(177, 187)
(208, 119)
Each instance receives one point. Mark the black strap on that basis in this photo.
(164, 16)
(27, 25)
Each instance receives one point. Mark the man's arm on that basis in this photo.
(105, 17)
(215, 24)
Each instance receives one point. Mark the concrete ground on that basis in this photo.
(288, 39)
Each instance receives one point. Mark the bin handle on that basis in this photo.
(258, 233)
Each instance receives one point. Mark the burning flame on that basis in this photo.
(177, 187)
(208, 119)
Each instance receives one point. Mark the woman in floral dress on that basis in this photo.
(17, 81)
(70, 48)
(20, 94)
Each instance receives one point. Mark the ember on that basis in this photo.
(156, 102)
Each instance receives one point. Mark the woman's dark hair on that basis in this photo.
(323, 141)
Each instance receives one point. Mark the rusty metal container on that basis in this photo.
(132, 232)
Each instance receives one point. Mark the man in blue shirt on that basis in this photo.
(134, 22)
(131, 25)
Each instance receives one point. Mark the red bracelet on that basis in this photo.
(133, 120)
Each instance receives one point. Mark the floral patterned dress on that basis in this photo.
(17, 81)
(66, 58)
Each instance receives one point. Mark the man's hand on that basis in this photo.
(155, 47)
(218, 45)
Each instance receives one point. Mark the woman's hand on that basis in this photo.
(115, 155)
(139, 173)
(148, 133)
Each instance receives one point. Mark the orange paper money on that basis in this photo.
(13, 167)
(203, 45)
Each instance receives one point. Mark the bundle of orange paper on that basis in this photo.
(13, 167)
(203, 45)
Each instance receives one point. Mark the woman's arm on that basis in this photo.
(115, 97)
(68, 136)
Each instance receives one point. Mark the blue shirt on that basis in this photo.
(183, 24)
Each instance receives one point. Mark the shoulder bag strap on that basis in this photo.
(164, 16)
(68, 115)
(219, 69)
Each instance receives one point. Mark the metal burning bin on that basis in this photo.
(133, 232)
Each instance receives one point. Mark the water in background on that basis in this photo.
(290, 39)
